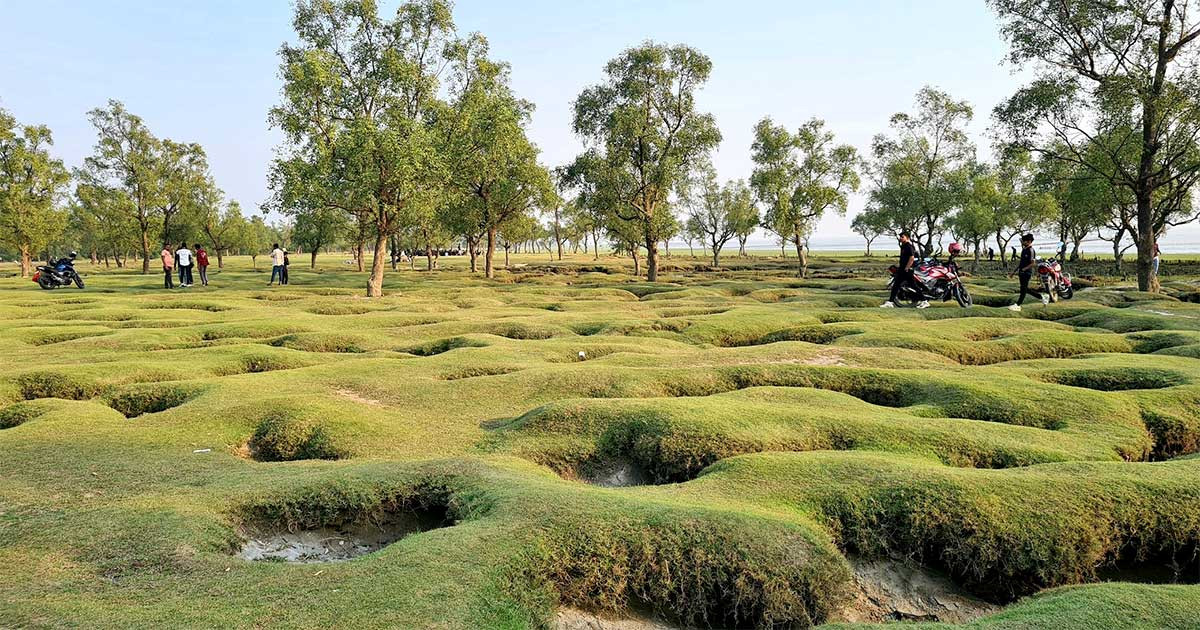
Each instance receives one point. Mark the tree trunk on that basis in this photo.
(1145, 246)
(473, 254)
(595, 245)
(312, 259)
(358, 254)
(801, 255)
(220, 259)
(375, 283)
(26, 261)
(651, 260)
(429, 256)
(1075, 250)
(637, 264)
(506, 256)
(488, 270)
(145, 251)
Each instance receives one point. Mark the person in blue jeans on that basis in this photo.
(277, 269)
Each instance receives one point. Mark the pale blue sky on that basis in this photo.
(206, 71)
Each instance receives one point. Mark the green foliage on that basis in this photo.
(798, 177)
(647, 135)
(31, 187)
(283, 437)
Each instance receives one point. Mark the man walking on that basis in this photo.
(1024, 273)
(277, 270)
(904, 272)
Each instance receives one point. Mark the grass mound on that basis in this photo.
(1117, 379)
(440, 346)
(284, 436)
(147, 398)
(323, 342)
(18, 414)
(55, 384)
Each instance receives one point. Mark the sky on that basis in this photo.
(207, 70)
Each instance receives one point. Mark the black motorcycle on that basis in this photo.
(58, 274)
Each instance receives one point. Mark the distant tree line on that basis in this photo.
(404, 136)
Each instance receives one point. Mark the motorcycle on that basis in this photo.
(1055, 282)
(936, 281)
(58, 274)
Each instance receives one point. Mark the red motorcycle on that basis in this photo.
(936, 281)
(1056, 283)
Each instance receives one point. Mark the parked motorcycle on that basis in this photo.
(1055, 282)
(936, 281)
(58, 274)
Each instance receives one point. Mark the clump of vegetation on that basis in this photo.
(18, 414)
(439, 346)
(284, 436)
(147, 398)
(1117, 379)
(55, 384)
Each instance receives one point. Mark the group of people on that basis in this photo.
(1026, 266)
(184, 260)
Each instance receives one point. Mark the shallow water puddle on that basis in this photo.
(617, 473)
(335, 544)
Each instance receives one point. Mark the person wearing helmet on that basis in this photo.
(955, 249)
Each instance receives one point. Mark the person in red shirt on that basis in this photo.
(202, 264)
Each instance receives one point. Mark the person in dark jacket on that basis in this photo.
(904, 272)
(1024, 272)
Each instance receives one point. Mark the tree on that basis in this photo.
(221, 225)
(644, 128)
(1121, 77)
(181, 183)
(870, 225)
(1083, 201)
(356, 91)
(125, 158)
(744, 220)
(31, 184)
(798, 177)
(255, 238)
(1017, 206)
(319, 227)
(519, 230)
(493, 163)
(106, 215)
(977, 215)
(712, 209)
(918, 171)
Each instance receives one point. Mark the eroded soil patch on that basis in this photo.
(890, 590)
(338, 543)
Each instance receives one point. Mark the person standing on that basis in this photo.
(168, 263)
(1155, 259)
(183, 257)
(1024, 272)
(202, 264)
(904, 272)
(287, 262)
(277, 257)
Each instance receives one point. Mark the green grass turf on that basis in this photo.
(787, 423)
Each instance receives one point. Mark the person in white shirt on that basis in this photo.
(183, 260)
(277, 271)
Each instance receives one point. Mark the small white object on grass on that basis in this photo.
(582, 355)
(202, 450)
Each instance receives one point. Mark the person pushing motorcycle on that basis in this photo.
(904, 272)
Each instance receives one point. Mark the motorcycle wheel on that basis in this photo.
(963, 296)
(1066, 293)
(78, 281)
(46, 284)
